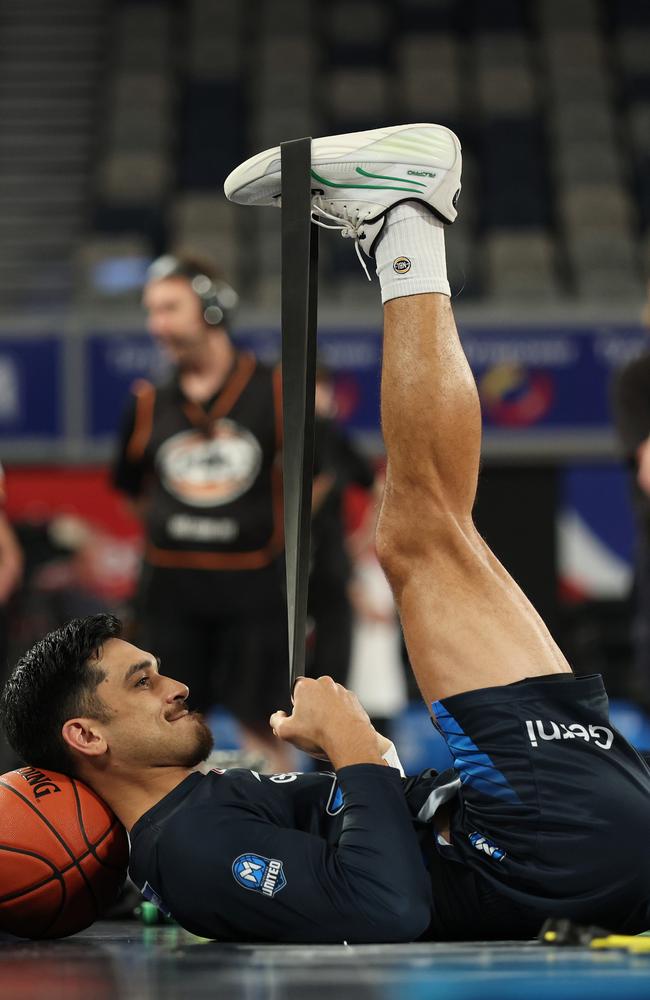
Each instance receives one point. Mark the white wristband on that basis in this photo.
(393, 760)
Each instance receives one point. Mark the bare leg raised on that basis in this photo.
(466, 622)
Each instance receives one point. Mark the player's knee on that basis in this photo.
(390, 554)
(436, 538)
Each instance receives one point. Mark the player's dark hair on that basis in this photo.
(52, 682)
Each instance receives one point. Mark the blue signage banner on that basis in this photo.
(30, 387)
(550, 379)
(354, 359)
(537, 378)
(114, 361)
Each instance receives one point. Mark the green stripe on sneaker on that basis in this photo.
(383, 177)
(366, 187)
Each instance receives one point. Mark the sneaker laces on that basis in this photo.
(347, 229)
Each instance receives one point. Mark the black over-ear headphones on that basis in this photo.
(218, 299)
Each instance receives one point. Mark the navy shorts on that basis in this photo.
(553, 811)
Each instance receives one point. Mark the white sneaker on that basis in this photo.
(359, 177)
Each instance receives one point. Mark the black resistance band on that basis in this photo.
(299, 313)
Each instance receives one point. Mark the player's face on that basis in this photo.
(175, 318)
(150, 724)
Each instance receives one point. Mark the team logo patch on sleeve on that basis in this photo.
(265, 875)
(335, 802)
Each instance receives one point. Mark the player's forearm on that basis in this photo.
(384, 745)
(383, 752)
(379, 858)
(362, 745)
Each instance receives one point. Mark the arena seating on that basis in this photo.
(552, 100)
(49, 61)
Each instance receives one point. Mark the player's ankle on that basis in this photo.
(410, 253)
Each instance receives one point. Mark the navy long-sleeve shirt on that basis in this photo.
(239, 856)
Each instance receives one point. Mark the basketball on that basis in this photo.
(63, 854)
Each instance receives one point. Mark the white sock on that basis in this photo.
(410, 254)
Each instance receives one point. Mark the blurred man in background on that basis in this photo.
(631, 402)
(339, 464)
(199, 456)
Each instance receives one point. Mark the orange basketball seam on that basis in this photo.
(92, 848)
(42, 924)
(40, 815)
(56, 873)
(56, 834)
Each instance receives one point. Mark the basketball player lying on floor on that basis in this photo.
(545, 812)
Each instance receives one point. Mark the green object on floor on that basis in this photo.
(151, 915)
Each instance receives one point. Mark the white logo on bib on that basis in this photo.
(542, 731)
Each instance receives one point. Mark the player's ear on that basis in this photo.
(83, 736)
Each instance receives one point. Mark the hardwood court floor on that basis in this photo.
(129, 961)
